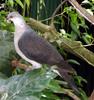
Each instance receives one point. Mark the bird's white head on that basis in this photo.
(17, 19)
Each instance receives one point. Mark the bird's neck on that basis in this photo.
(20, 25)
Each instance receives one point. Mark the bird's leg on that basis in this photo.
(16, 63)
(34, 65)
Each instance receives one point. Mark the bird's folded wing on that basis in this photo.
(36, 48)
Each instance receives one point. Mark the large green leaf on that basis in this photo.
(28, 85)
(28, 3)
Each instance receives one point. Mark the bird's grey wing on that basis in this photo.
(36, 48)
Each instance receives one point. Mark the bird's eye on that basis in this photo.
(11, 16)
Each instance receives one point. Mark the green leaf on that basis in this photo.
(20, 3)
(79, 80)
(48, 95)
(11, 2)
(83, 95)
(73, 61)
(75, 28)
(54, 86)
(28, 3)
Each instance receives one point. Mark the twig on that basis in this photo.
(88, 45)
(56, 10)
(76, 47)
(51, 17)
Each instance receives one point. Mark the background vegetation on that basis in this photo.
(44, 84)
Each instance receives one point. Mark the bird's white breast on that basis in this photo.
(17, 36)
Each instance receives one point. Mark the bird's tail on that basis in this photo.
(65, 71)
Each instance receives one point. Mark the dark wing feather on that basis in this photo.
(36, 48)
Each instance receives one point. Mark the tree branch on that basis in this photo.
(74, 47)
(82, 11)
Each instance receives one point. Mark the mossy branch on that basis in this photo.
(74, 47)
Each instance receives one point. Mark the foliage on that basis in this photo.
(3, 22)
(39, 84)
(6, 46)
(11, 4)
(77, 28)
(28, 86)
(33, 85)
